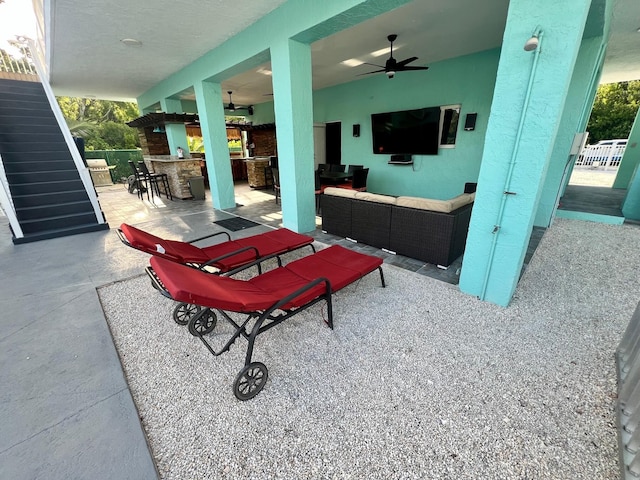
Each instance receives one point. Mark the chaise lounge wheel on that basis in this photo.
(202, 322)
(184, 311)
(250, 381)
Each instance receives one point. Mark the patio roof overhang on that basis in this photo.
(159, 119)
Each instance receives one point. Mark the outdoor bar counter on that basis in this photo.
(178, 170)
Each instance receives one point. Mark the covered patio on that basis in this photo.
(496, 365)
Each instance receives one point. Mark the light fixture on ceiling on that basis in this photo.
(231, 106)
(131, 42)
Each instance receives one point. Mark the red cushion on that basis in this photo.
(229, 263)
(270, 243)
(340, 256)
(338, 264)
(283, 282)
(291, 240)
(186, 284)
(181, 252)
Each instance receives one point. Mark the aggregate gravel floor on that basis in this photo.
(417, 380)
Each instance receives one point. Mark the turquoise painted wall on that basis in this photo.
(468, 81)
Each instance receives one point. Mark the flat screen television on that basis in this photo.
(407, 131)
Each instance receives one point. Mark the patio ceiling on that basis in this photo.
(89, 59)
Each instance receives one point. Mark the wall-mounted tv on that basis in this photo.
(407, 131)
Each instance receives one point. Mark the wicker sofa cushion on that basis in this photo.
(340, 192)
(376, 197)
(434, 205)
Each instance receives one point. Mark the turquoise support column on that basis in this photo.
(530, 92)
(631, 157)
(293, 102)
(176, 132)
(214, 135)
(575, 116)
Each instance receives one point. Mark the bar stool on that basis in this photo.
(154, 178)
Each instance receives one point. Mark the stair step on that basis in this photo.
(20, 84)
(17, 87)
(54, 143)
(35, 167)
(19, 130)
(54, 210)
(27, 112)
(61, 232)
(24, 201)
(35, 188)
(26, 122)
(58, 222)
(30, 102)
(23, 178)
(14, 157)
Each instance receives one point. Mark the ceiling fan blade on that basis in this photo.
(406, 61)
(404, 69)
(369, 73)
(373, 65)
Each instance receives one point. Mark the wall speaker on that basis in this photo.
(470, 121)
(356, 130)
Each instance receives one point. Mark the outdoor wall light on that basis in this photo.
(532, 43)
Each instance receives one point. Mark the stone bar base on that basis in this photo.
(179, 171)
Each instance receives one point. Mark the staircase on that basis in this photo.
(48, 195)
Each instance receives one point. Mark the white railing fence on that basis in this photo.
(606, 156)
(628, 407)
(17, 65)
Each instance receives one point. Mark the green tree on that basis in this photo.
(101, 122)
(614, 111)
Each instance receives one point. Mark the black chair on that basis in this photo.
(138, 182)
(276, 182)
(319, 190)
(359, 181)
(154, 179)
(323, 167)
(337, 167)
(352, 168)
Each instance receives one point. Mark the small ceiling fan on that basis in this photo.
(233, 108)
(392, 65)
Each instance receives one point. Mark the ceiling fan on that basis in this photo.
(233, 108)
(392, 66)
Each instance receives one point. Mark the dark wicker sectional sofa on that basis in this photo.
(382, 221)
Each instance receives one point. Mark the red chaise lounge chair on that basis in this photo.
(225, 257)
(269, 298)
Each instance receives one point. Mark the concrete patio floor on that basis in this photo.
(66, 409)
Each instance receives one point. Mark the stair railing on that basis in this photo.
(7, 204)
(85, 176)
